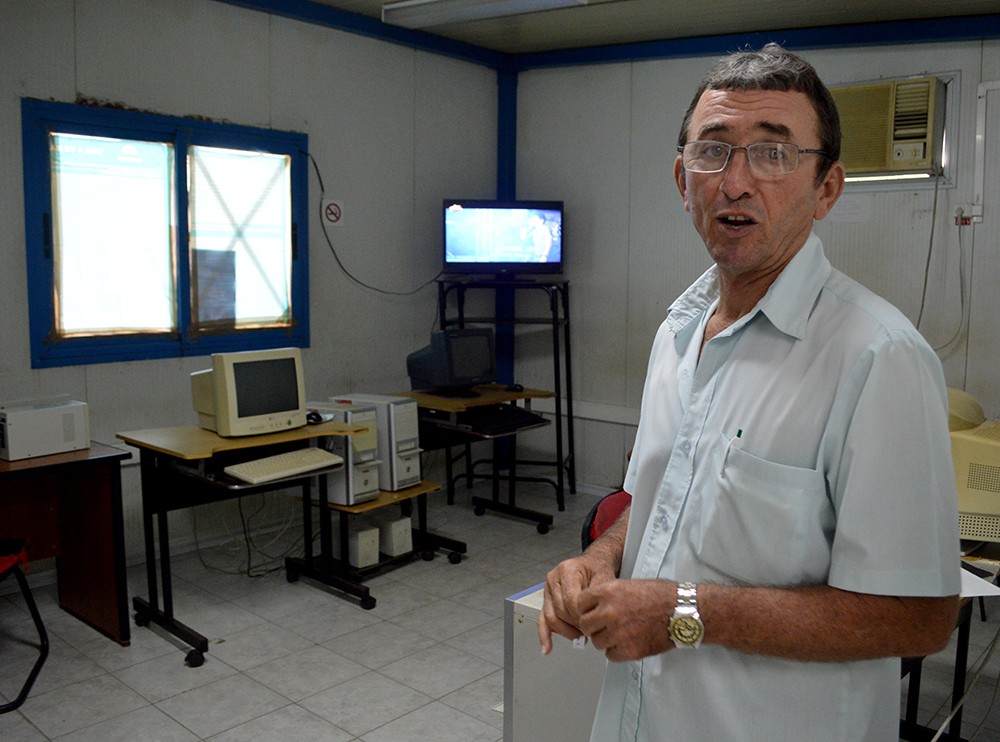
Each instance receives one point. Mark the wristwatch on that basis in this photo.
(686, 628)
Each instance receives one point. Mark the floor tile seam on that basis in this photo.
(164, 711)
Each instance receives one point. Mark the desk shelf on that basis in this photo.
(337, 572)
(440, 428)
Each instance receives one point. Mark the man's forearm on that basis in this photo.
(823, 623)
(610, 546)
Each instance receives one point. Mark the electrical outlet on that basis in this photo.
(963, 216)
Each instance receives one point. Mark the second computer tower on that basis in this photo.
(358, 480)
(398, 437)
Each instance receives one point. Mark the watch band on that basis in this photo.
(686, 627)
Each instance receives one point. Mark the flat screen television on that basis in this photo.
(503, 238)
(251, 392)
(455, 361)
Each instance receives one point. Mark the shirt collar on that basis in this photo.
(787, 303)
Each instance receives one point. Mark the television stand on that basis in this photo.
(557, 290)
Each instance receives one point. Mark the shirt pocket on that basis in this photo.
(764, 523)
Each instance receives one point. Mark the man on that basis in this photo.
(793, 528)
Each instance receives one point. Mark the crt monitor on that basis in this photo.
(503, 238)
(975, 452)
(454, 362)
(251, 392)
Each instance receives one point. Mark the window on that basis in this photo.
(150, 236)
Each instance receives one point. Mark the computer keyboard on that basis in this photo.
(283, 465)
(498, 419)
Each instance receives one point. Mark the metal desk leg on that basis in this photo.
(148, 611)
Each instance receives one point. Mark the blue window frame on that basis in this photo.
(151, 236)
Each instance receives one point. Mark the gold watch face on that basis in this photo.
(686, 630)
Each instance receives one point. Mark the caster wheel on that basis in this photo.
(194, 658)
(542, 528)
(368, 603)
(427, 555)
(478, 510)
(454, 557)
(141, 619)
(291, 576)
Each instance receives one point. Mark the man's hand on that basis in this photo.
(564, 585)
(628, 619)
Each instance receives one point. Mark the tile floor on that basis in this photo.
(291, 661)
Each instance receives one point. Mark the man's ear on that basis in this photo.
(679, 178)
(830, 190)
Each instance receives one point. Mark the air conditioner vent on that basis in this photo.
(910, 119)
(892, 126)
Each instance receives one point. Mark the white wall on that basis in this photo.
(603, 138)
(393, 131)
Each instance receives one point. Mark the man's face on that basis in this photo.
(754, 225)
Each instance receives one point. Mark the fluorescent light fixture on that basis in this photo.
(426, 13)
(883, 178)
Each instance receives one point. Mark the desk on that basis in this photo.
(69, 505)
(182, 467)
(439, 428)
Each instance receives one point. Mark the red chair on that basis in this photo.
(603, 515)
(12, 555)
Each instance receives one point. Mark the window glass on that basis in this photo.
(240, 238)
(153, 236)
(113, 230)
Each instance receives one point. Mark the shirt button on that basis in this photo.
(686, 447)
(635, 675)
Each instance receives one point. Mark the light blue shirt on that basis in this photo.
(808, 445)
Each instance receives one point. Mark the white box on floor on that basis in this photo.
(362, 547)
(396, 537)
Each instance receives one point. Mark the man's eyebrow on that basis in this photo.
(778, 130)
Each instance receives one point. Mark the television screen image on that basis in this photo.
(503, 237)
(455, 361)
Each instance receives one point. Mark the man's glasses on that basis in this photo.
(767, 159)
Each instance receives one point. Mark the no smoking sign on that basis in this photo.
(333, 213)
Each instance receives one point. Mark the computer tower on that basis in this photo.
(358, 480)
(398, 437)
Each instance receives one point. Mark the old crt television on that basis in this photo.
(975, 453)
(503, 238)
(456, 360)
(251, 392)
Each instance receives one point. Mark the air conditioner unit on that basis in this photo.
(892, 127)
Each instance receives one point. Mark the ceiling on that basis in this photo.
(606, 22)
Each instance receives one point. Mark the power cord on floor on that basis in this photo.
(245, 542)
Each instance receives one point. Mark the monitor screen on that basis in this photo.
(251, 392)
(265, 387)
(503, 237)
(455, 361)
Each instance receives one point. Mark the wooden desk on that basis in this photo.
(69, 505)
(182, 467)
(439, 418)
